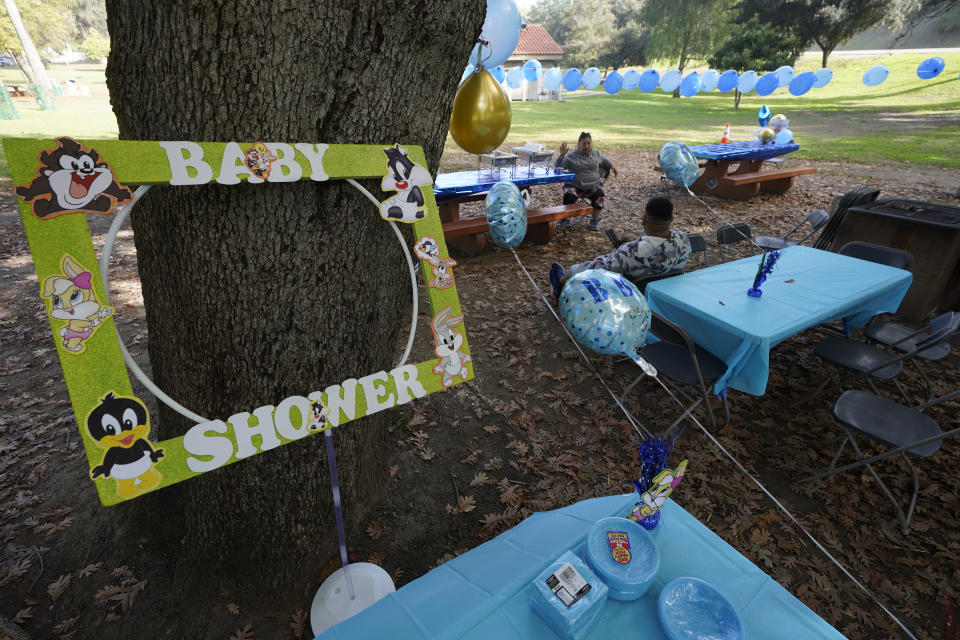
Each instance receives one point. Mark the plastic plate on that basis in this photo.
(692, 609)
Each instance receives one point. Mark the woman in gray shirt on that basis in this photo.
(587, 163)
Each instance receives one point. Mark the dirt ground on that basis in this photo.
(534, 431)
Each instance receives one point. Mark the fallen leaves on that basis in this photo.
(297, 623)
(244, 634)
(465, 504)
(377, 530)
(55, 589)
(233, 609)
(90, 569)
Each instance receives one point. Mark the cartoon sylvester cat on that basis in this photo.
(405, 177)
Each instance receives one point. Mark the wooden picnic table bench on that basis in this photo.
(17, 91)
(466, 234)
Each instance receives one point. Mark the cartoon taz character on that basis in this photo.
(258, 160)
(448, 342)
(72, 299)
(427, 249)
(406, 178)
(72, 179)
(120, 425)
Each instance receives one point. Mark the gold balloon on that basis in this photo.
(764, 134)
(481, 114)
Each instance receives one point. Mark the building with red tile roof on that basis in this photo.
(535, 44)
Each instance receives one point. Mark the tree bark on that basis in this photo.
(254, 293)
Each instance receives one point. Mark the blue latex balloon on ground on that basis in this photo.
(552, 79)
(875, 75)
(679, 164)
(501, 29)
(930, 68)
(747, 81)
(631, 79)
(691, 85)
(767, 84)
(822, 77)
(671, 80)
(784, 75)
(649, 80)
(802, 83)
(592, 78)
(605, 312)
(515, 78)
(727, 81)
(572, 79)
(506, 214)
(709, 80)
(613, 83)
(532, 70)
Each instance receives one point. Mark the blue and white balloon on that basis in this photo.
(515, 78)
(613, 82)
(784, 75)
(572, 79)
(671, 80)
(930, 68)
(552, 79)
(691, 85)
(875, 75)
(709, 80)
(822, 77)
(592, 78)
(747, 81)
(605, 312)
(506, 214)
(728, 81)
(802, 82)
(767, 84)
(631, 79)
(532, 70)
(649, 80)
(784, 136)
(679, 164)
(501, 30)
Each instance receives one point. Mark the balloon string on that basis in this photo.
(480, 60)
(637, 426)
(724, 220)
(338, 510)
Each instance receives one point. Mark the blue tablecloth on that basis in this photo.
(744, 150)
(808, 286)
(482, 595)
(450, 186)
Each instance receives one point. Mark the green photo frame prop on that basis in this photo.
(57, 181)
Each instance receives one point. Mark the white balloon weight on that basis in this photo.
(822, 77)
(747, 81)
(515, 78)
(552, 79)
(671, 80)
(332, 603)
(709, 80)
(501, 29)
(784, 75)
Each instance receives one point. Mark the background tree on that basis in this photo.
(754, 45)
(254, 293)
(601, 33)
(683, 30)
(95, 45)
(44, 21)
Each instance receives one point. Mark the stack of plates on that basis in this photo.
(624, 556)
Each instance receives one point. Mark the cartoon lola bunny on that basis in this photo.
(427, 249)
(448, 342)
(73, 300)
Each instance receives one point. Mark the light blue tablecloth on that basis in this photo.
(482, 595)
(808, 286)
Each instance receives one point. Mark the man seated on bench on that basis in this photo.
(587, 163)
(659, 250)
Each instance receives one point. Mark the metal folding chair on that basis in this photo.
(641, 283)
(698, 243)
(678, 360)
(731, 234)
(817, 219)
(904, 339)
(878, 253)
(907, 431)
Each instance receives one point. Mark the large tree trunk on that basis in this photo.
(254, 293)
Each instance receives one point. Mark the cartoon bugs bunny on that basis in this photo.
(448, 342)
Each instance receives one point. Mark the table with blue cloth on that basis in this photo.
(734, 170)
(807, 287)
(483, 594)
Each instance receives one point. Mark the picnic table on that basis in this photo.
(483, 593)
(807, 287)
(18, 91)
(747, 177)
(466, 234)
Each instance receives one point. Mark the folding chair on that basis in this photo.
(568, 222)
(698, 243)
(877, 363)
(678, 360)
(731, 234)
(878, 253)
(908, 431)
(641, 283)
(905, 339)
(861, 195)
(817, 219)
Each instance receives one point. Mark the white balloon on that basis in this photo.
(709, 80)
(501, 29)
(671, 80)
(784, 136)
(747, 81)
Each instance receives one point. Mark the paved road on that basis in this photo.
(880, 52)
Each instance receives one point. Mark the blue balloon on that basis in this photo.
(552, 79)
(728, 81)
(709, 80)
(631, 79)
(784, 136)
(506, 214)
(679, 164)
(875, 75)
(691, 85)
(501, 30)
(649, 80)
(930, 68)
(763, 116)
(613, 83)
(605, 312)
(784, 75)
(747, 81)
(767, 84)
(498, 73)
(802, 83)
(572, 79)
(822, 78)
(466, 72)
(532, 70)
(592, 78)
(671, 80)
(515, 78)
